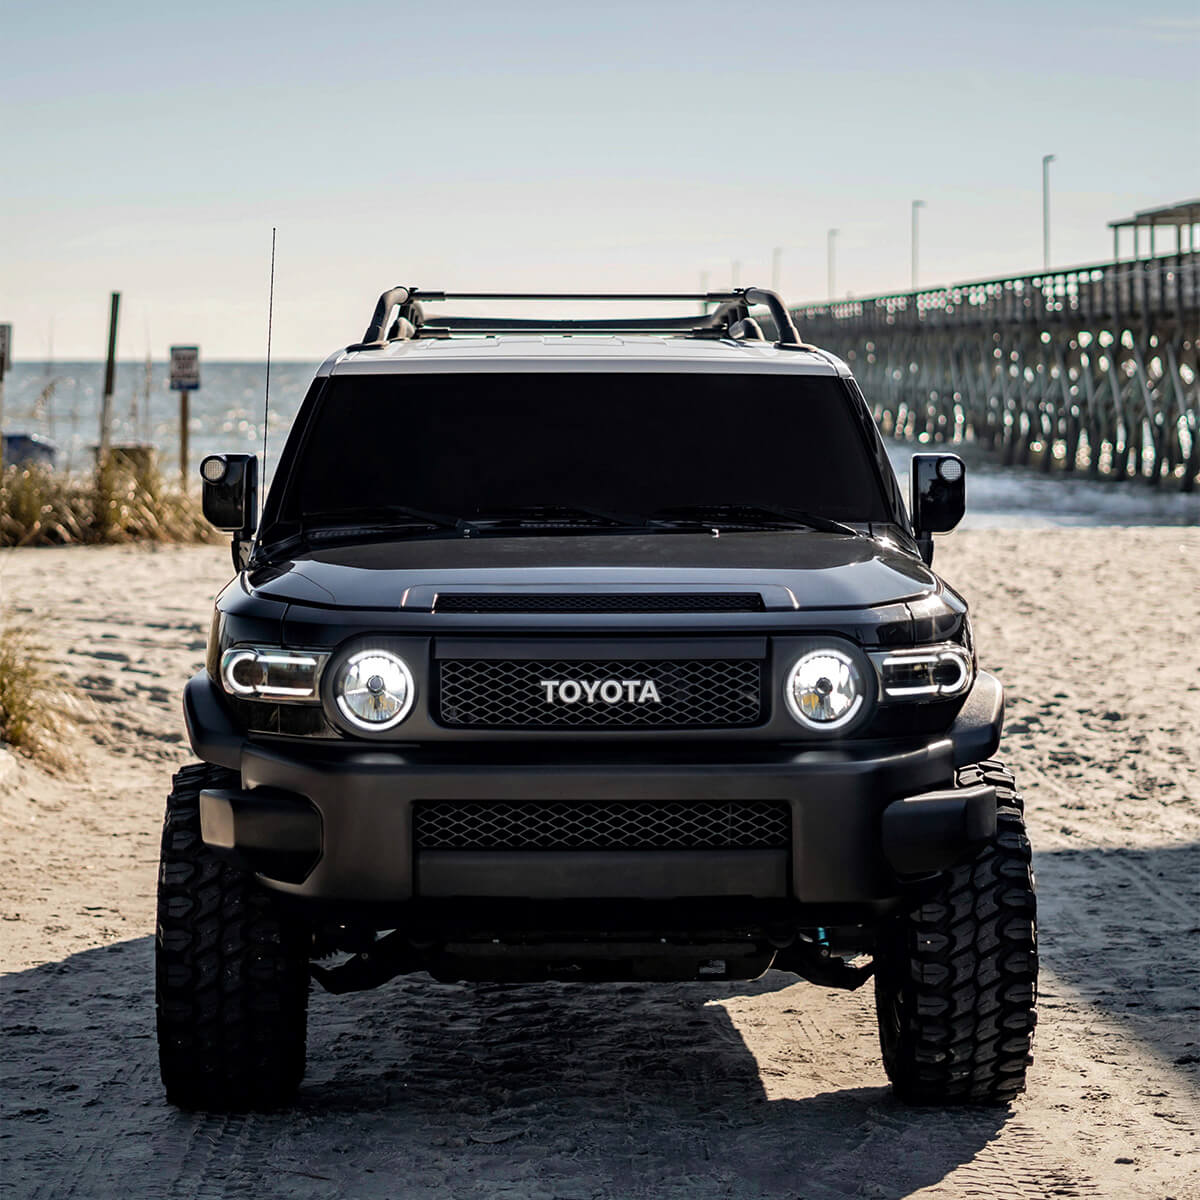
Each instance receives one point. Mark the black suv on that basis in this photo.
(590, 650)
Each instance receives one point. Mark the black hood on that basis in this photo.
(818, 570)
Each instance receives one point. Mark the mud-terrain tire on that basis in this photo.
(231, 971)
(956, 978)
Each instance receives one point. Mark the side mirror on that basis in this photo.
(939, 496)
(230, 493)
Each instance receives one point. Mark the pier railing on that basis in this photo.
(1087, 368)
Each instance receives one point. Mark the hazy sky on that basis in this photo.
(149, 148)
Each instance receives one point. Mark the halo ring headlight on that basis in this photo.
(825, 689)
(374, 690)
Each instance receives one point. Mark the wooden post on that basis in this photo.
(184, 378)
(184, 413)
(110, 374)
(5, 355)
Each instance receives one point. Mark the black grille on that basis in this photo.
(588, 825)
(514, 694)
(599, 602)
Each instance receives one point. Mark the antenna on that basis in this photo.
(267, 393)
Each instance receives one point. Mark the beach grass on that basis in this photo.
(123, 500)
(29, 712)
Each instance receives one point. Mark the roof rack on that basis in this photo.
(399, 316)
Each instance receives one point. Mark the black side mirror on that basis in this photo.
(230, 496)
(939, 496)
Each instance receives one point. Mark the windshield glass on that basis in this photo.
(459, 446)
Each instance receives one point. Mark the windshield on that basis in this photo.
(451, 448)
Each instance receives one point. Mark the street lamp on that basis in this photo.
(1047, 159)
(830, 272)
(916, 206)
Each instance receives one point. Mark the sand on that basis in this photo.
(771, 1089)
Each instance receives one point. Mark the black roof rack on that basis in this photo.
(399, 316)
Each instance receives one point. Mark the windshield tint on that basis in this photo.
(630, 443)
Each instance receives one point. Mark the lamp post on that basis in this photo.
(1047, 159)
(917, 205)
(776, 257)
(830, 264)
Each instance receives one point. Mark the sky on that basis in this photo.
(150, 149)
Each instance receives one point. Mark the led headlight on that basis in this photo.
(374, 689)
(825, 689)
(925, 672)
(255, 672)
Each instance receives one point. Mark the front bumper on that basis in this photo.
(333, 823)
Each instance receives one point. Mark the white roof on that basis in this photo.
(580, 352)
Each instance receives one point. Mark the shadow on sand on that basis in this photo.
(556, 1090)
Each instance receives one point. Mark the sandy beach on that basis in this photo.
(770, 1089)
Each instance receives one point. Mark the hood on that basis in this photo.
(791, 569)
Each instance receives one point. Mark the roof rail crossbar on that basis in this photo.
(399, 314)
(716, 321)
(559, 328)
(693, 297)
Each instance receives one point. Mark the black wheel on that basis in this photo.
(231, 970)
(956, 979)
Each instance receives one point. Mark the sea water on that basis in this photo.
(61, 401)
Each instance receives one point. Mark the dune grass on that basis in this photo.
(30, 710)
(122, 501)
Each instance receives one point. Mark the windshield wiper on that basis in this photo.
(559, 517)
(392, 518)
(529, 520)
(751, 516)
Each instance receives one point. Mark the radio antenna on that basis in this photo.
(267, 393)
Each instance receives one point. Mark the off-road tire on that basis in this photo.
(956, 978)
(231, 970)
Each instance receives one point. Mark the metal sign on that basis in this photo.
(5, 349)
(185, 368)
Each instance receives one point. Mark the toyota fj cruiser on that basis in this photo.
(590, 650)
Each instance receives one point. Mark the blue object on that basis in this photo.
(28, 449)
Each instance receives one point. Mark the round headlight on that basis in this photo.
(825, 689)
(374, 689)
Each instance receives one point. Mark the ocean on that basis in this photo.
(62, 402)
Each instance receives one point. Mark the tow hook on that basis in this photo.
(812, 961)
(388, 957)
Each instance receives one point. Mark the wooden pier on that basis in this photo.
(1093, 368)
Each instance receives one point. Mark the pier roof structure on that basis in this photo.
(1181, 216)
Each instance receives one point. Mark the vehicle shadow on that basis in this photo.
(471, 1090)
(770, 1088)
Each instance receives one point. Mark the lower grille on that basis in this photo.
(652, 694)
(588, 825)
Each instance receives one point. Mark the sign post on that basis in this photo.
(185, 379)
(5, 364)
